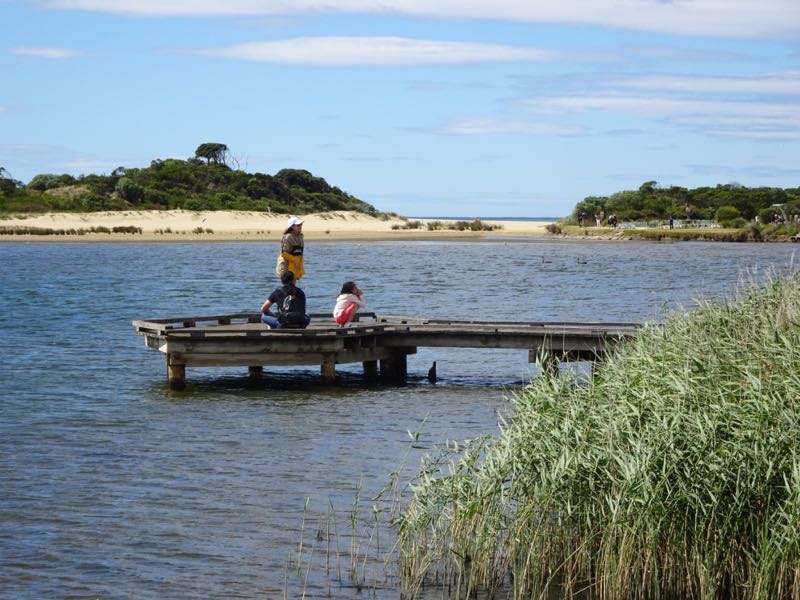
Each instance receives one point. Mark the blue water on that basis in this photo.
(112, 486)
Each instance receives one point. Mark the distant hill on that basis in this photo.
(191, 184)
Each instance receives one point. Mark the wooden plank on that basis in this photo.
(258, 329)
(253, 345)
(233, 359)
(480, 339)
(389, 319)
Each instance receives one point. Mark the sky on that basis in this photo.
(467, 108)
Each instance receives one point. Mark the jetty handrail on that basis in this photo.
(601, 325)
(199, 325)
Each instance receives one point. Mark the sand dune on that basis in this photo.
(181, 225)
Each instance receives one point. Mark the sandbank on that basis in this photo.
(226, 226)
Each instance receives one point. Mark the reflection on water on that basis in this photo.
(115, 487)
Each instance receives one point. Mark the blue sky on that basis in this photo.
(423, 107)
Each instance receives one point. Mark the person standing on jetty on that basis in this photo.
(290, 257)
(290, 303)
(347, 304)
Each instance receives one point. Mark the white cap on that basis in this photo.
(294, 221)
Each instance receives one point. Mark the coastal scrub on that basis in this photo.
(673, 473)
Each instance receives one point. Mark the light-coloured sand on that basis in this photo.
(181, 225)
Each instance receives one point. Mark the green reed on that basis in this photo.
(673, 473)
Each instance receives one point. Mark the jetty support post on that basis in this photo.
(328, 368)
(176, 371)
(255, 372)
(370, 369)
(395, 367)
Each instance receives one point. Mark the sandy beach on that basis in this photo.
(181, 225)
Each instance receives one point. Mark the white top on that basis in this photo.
(345, 300)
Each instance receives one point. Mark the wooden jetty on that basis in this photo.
(381, 343)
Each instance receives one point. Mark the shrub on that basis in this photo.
(726, 215)
(673, 473)
(126, 229)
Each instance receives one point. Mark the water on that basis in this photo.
(111, 486)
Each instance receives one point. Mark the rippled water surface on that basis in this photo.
(111, 486)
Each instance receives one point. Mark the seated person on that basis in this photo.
(347, 304)
(290, 304)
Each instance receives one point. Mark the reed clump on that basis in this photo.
(673, 473)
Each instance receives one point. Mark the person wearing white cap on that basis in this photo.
(290, 258)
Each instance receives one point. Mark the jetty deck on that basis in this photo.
(381, 343)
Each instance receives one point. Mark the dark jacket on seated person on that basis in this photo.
(290, 305)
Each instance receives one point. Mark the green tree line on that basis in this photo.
(730, 204)
(206, 181)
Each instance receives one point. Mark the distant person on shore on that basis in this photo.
(671, 222)
(347, 304)
(290, 304)
(290, 257)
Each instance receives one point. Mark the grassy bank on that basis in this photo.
(751, 233)
(674, 473)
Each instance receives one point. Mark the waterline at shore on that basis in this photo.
(201, 226)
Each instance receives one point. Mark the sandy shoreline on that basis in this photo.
(226, 226)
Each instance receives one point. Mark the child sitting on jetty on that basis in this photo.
(347, 304)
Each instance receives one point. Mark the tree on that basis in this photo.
(648, 188)
(49, 181)
(8, 185)
(213, 153)
(727, 216)
(303, 179)
(129, 191)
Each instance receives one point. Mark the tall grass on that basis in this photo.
(674, 473)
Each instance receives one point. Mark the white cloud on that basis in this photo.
(47, 52)
(715, 117)
(655, 106)
(370, 51)
(493, 126)
(787, 134)
(729, 18)
(779, 83)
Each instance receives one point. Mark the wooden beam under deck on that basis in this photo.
(380, 343)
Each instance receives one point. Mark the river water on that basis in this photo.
(112, 486)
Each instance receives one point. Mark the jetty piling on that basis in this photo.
(382, 343)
